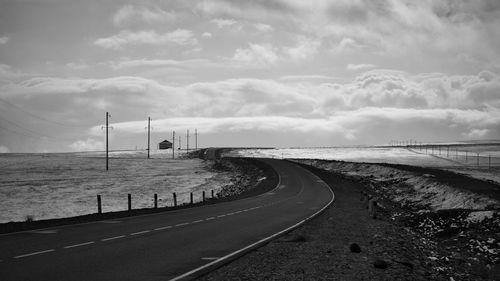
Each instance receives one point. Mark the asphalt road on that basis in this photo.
(164, 245)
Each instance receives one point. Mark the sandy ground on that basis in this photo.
(57, 185)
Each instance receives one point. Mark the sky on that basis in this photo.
(275, 73)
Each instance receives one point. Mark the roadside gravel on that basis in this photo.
(320, 250)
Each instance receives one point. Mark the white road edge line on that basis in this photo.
(210, 218)
(35, 253)
(78, 245)
(112, 238)
(140, 232)
(255, 245)
(197, 221)
(182, 224)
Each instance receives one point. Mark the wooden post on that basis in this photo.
(191, 198)
(212, 194)
(156, 200)
(99, 206)
(129, 202)
(203, 195)
(175, 199)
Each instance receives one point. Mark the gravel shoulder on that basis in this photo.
(412, 247)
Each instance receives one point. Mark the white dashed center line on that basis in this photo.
(164, 227)
(131, 234)
(140, 232)
(112, 238)
(35, 253)
(78, 245)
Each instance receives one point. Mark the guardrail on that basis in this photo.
(175, 201)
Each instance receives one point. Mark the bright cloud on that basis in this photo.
(221, 23)
(131, 13)
(263, 27)
(361, 66)
(256, 55)
(89, 144)
(150, 37)
(4, 40)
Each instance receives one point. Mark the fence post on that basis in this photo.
(129, 202)
(191, 198)
(156, 200)
(212, 194)
(203, 195)
(99, 206)
(175, 199)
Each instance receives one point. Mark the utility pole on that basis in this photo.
(196, 139)
(107, 143)
(187, 141)
(173, 145)
(149, 134)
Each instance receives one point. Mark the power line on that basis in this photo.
(18, 133)
(31, 131)
(40, 117)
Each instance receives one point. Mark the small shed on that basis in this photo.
(165, 144)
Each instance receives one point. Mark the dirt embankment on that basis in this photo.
(409, 236)
(249, 177)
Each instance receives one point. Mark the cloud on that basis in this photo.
(221, 23)
(150, 37)
(133, 13)
(476, 133)
(362, 66)
(206, 34)
(89, 144)
(4, 149)
(376, 105)
(305, 49)
(256, 55)
(263, 27)
(4, 40)
(132, 63)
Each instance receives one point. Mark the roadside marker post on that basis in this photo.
(129, 201)
(99, 206)
(156, 201)
(175, 199)
(212, 194)
(203, 195)
(191, 198)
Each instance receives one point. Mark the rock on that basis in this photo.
(355, 248)
(380, 264)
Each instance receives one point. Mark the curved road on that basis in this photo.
(165, 245)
